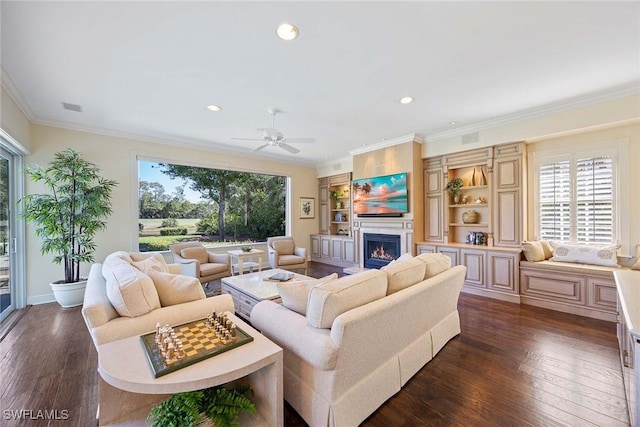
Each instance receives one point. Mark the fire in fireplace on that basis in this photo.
(380, 249)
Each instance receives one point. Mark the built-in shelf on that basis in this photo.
(460, 224)
(470, 205)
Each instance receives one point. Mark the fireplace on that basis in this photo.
(380, 249)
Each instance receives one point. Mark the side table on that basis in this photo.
(241, 256)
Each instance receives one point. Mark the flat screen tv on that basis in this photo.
(381, 195)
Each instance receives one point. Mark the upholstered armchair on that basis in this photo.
(284, 254)
(196, 261)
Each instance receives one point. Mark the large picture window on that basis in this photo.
(214, 206)
(577, 202)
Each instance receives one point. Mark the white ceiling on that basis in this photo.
(149, 69)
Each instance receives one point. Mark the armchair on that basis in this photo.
(196, 261)
(284, 254)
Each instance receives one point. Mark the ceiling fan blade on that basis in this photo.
(247, 139)
(292, 150)
(259, 148)
(300, 140)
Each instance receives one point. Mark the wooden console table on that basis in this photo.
(128, 389)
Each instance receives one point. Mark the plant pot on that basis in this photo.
(69, 294)
(470, 217)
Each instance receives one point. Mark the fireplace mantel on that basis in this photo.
(402, 227)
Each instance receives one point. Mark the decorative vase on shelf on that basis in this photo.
(484, 177)
(472, 182)
(470, 217)
(456, 198)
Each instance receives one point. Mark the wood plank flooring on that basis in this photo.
(511, 366)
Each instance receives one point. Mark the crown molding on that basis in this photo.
(412, 137)
(556, 107)
(7, 83)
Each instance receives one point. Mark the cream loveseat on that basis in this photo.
(149, 302)
(363, 336)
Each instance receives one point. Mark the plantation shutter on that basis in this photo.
(555, 201)
(594, 200)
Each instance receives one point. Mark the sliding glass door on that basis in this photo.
(7, 293)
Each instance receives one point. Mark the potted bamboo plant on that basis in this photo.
(67, 219)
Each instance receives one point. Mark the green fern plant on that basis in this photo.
(221, 405)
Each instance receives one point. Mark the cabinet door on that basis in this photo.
(325, 247)
(508, 218)
(425, 249)
(349, 250)
(602, 293)
(315, 246)
(452, 253)
(434, 218)
(323, 191)
(336, 249)
(502, 272)
(474, 261)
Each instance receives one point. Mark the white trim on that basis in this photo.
(12, 145)
(41, 299)
(9, 86)
(556, 107)
(412, 137)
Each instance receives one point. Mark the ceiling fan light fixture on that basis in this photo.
(287, 31)
(406, 100)
(214, 108)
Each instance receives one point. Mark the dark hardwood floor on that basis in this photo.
(511, 366)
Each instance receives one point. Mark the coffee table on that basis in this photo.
(249, 289)
(128, 389)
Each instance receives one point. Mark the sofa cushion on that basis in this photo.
(175, 288)
(130, 291)
(284, 246)
(295, 294)
(149, 262)
(403, 274)
(290, 260)
(533, 251)
(435, 264)
(211, 268)
(198, 253)
(330, 300)
(584, 254)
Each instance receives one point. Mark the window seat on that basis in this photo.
(582, 289)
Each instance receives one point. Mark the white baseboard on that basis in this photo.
(40, 299)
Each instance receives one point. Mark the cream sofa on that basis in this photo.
(340, 373)
(106, 325)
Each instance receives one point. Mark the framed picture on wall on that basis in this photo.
(307, 207)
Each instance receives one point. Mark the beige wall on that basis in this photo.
(13, 121)
(116, 158)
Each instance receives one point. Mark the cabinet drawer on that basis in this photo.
(602, 293)
(552, 286)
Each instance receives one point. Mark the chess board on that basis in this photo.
(199, 342)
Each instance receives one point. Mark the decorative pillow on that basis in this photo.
(284, 246)
(330, 300)
(436, 264)
(546, 248)
(403, 274)
(402, 258)
(295, 294)
(175, 289)
(533, 251)
(147, 262)
(130, 291)
(198, 253)
(582, 254)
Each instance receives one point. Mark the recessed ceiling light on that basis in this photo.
(406, 100)
(287, 31)
(214, 108)
(452, 122)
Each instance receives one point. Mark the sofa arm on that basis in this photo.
(189, 267)
(290, 330)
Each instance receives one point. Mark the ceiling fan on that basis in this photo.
(274, 138)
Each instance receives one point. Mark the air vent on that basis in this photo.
(72, 107)
(470, 138)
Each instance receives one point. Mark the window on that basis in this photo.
(576, 194)
(215, 206)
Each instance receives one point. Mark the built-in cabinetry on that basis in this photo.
(482, 227)
(335, 243)
(628, 294)
(490, 270)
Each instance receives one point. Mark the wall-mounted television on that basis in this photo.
(381, 195)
